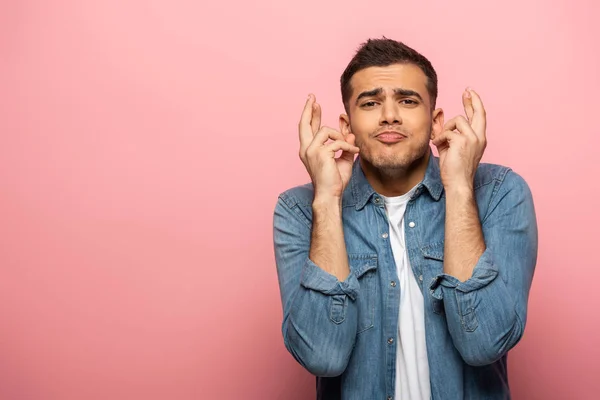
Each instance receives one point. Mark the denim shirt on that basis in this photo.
(345, 333)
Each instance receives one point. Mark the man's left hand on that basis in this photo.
(462, 143)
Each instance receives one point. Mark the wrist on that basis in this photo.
(456, 189)
(326, 203)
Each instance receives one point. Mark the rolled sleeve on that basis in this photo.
(464, 301)
(315, 278)
(484, 273)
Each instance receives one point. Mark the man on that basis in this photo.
(403, 275)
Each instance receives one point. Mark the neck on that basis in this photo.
(391, 182)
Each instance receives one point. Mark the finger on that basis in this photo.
(304, 128)
(326, 133)
(460, 124)
(468, 104)
(347, 155)
(315, 123)
(479, 120)
(445, 138)
(338, 145)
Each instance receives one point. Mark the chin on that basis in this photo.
(393, 161)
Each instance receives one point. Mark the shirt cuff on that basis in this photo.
(483, 274)
(315, 278)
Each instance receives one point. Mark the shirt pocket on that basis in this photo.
(434, 260)
(364, 267)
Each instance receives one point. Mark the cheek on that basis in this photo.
(422, 124)
(364, 123)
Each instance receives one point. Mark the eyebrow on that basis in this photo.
(397, 92)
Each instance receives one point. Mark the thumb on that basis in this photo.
(346, 155)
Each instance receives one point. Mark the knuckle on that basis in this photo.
(335, 145)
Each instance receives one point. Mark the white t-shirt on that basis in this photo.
(412, 367)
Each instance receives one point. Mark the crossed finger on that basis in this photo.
(305, 126)
(475, 112)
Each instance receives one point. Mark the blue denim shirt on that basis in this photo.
(345, 333)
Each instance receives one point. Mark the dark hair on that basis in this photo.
(384, 52)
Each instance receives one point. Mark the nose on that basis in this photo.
(390, 113)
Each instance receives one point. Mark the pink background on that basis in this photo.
(143, 145)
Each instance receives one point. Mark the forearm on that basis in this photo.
(320, 313)
(327, 247)
(468, 300)
(486, 313)
(464, 243)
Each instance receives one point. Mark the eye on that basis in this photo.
(369, 104)
(409, 102)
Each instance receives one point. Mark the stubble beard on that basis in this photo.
(395, 164)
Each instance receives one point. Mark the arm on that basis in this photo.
(319, 312)
(463, 244)
(317, 288)
(328, 248)
(486, 313)
(488, 266)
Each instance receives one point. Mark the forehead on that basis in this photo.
(405, 76)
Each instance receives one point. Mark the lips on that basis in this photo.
(390, 137)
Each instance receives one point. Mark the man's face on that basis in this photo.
(390, 115)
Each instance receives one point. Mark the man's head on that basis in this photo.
(389, 87)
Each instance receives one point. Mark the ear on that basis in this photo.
(345, 124)
(437, 126)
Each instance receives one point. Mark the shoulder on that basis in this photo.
(499, 188)
(301, 195)
(490, 174)
(498, 176)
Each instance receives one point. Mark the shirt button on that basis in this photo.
(390, 340)
(393, 283)
(390, 398)
(377, 200)
(385, 235)
(421, 278)
(411, 224)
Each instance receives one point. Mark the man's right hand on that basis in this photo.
(329, 174)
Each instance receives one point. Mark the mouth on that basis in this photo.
(390, 137)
